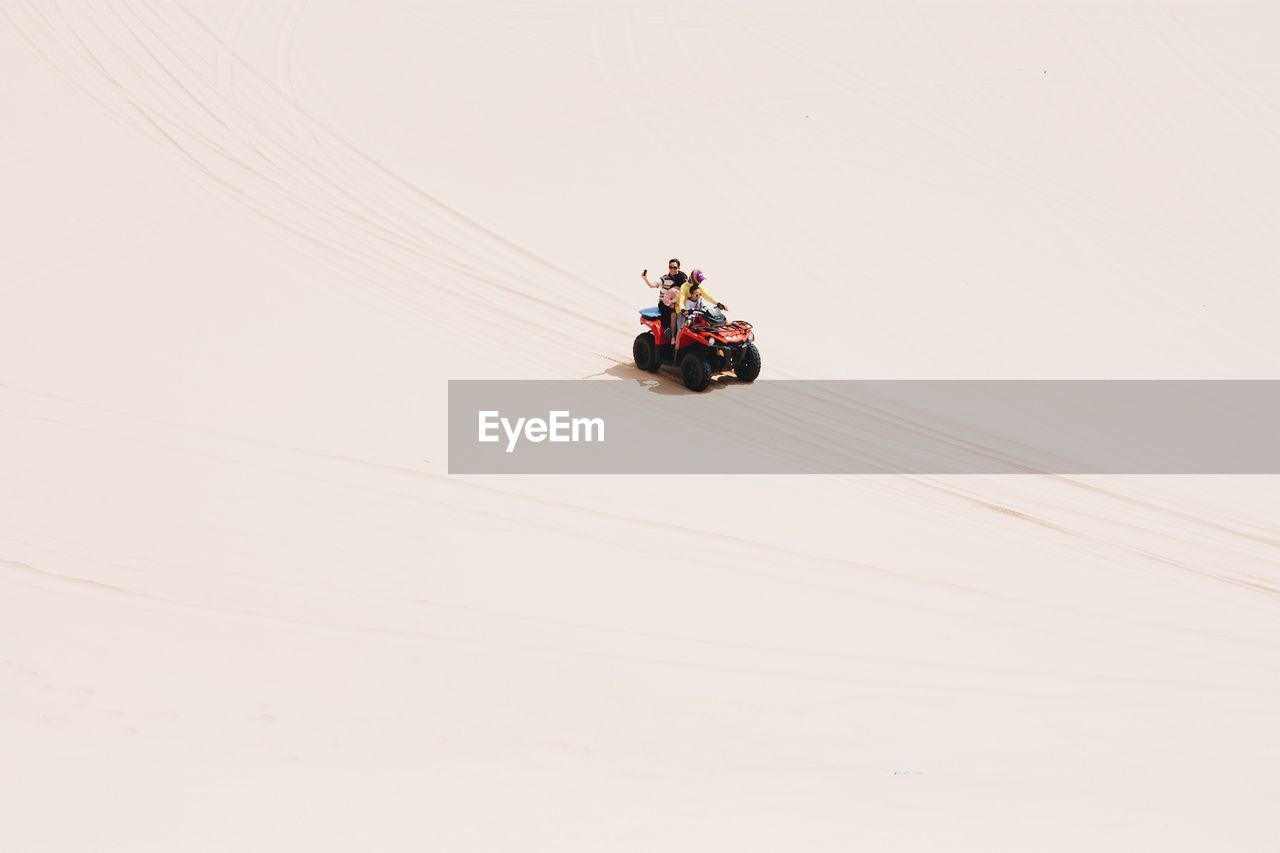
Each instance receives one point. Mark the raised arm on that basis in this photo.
(645, 275)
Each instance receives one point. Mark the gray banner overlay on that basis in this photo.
(655, 426)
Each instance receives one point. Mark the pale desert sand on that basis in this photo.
(245, 244)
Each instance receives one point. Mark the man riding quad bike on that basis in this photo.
(707, 344)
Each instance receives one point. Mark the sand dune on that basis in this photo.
(246, 607)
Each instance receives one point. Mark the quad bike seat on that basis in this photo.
(650, 313)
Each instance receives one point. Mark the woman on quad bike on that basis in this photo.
(692, 290)
(668, 294)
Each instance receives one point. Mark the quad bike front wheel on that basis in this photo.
(746, 365)
(695, 370)
(645, 353)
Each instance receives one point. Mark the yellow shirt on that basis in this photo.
(684, 294)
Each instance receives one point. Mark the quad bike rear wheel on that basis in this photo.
(645, 353)
(695, 370)
(746, 365)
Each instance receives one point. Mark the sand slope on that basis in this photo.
(247, 243)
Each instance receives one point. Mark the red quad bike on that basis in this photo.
(708, 345)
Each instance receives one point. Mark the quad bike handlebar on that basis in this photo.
(702, 318)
